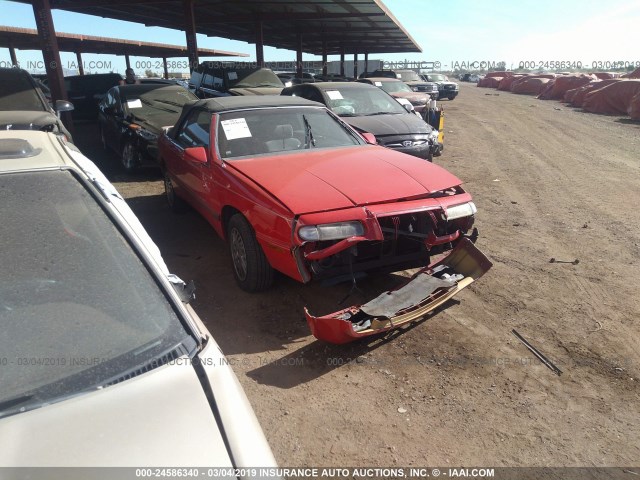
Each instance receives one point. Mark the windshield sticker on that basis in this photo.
(233, 76)
(137, 103)
(334, 95)
(236, 128)
(377, 84)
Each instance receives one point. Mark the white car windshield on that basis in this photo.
(78, 307)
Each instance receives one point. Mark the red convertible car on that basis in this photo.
(293, 188)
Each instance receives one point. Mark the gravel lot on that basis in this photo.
(457, 388)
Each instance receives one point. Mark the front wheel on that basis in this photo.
(451, 97)
(175, 202)
(250, 266)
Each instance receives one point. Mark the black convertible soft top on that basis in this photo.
(225, 104)
(222, 104)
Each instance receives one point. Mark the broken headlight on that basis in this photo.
(463, 210)
(330, 231)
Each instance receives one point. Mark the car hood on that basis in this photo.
(389, 124)
(256, 91)
(160, 418)
(26, 120)
(415, 83)
(344, 177)
(411, 96)
(445, 82)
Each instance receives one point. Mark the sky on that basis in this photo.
(457, 33)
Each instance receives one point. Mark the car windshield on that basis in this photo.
(78, 308)
(253, 78)
(18, 93)
(394, 87)
(352, 101)
(150, 100)
(436, 77)
(409, 76)
(271, 130)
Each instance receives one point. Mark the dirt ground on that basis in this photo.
(458, 388)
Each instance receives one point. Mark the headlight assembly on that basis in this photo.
(459, 211)
(330, 231)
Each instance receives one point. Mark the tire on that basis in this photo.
(452, 97)
(130, 157)
(250, 266)
(176, 204)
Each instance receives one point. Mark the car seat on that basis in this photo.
(283, 139)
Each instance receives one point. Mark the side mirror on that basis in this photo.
(369, 138)
(63, 106)
(196, 154)
(408, 107)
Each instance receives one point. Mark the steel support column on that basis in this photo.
(324, 56)
(166, 69)
(366, 62)
(12, 54)
(128, 61)
(80, 65)
(190, 31)
(51, 55)
(299, 55)
(259, 45)
(342, 61)
(355, 65)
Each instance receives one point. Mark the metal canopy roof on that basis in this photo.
(360, 26)
(28, 39)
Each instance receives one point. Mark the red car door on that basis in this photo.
(194, 178)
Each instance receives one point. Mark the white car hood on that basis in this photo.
(159, 418)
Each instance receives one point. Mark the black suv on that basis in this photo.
(24, 107)
(446, 89)
(211, 79)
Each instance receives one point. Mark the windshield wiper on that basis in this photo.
(380, 113)
(6, 405)
(308, 135)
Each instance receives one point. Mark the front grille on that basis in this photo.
(405, 143)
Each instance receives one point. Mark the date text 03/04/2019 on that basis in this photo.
(534, 64)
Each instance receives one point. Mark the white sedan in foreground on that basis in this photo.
(102, 362)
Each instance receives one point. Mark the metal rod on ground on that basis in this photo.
(540, 356)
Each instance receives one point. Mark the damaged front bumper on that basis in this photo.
(428, 289)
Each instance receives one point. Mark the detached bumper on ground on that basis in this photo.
(425, 291)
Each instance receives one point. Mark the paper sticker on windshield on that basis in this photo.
(334, 95)
(377, 84)
(134, 103)
(233, 76)
(236, 128)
